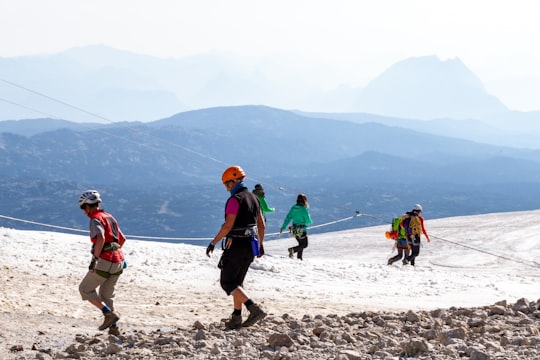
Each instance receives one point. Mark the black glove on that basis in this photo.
(92, 265)
(209, 249)
(261, 251)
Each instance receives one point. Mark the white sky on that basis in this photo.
(496, 39)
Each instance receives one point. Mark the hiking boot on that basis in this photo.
(255, 314)
(291, 253)
(235, 322)
(405, 262)
(390, 261)
(110, 318)
(113, 330)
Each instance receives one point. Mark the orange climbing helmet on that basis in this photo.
(233, 173)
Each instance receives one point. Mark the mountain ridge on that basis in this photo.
(124, 86)
(428, 88)
(176, 163)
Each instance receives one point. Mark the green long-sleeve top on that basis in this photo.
(299, 214)
(264, 205)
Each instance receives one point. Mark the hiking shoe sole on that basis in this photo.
(254, 318)
(110, 318)
(233, 326)
(113, 330)
(235, 322)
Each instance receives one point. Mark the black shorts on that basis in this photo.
(235, 263)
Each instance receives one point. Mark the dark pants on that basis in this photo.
(401, 253)
(300, 235)
(302, 244)
(234, 264)
(415, 248)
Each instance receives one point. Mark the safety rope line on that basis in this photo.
(41, 224)
(26, 107)
(135, 237)
(335, 221)
(186, 149)
(53, 99)
(146, 144)
(523, 262)
(141, 237)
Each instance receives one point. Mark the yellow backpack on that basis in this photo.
(413, 225)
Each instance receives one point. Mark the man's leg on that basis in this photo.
(239, 297)
(415, 252)
(106, 290)
(302, 244)
(396, 257)
(87, 288)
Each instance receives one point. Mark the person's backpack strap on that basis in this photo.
(406, 223)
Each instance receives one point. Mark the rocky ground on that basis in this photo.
(500, 331)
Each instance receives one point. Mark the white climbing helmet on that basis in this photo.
(90, 197)
(417, 207)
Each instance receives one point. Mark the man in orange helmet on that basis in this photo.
(243, 231)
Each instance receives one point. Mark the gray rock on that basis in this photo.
(279, 340)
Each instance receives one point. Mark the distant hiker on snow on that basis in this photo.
(398, 234)
(107, 259)
(259, 192)
(413, 223)
(299, 214)
(243, 231)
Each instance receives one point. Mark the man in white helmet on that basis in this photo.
(107, 259)
(413, 223)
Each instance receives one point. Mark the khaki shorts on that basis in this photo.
(92, 281)
(109, 267)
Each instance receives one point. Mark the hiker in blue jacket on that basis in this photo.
(299, 215)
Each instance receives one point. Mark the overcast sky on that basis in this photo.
(497, 40)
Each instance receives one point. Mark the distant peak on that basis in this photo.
(429, 60)
(427, 87)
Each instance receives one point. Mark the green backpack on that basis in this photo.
(396, 232)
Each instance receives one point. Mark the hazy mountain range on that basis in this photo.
(114, 85)
(163, 177)
(424, 131)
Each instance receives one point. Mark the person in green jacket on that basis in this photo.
(299, 214)
(259, 192)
